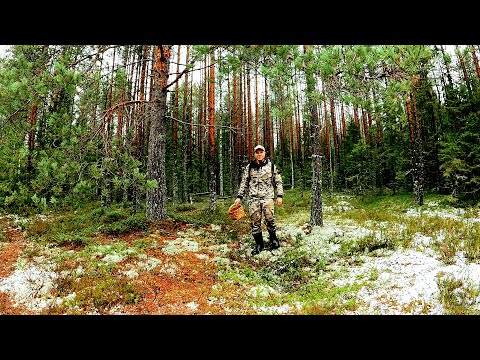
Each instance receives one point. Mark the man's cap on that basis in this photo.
(259, 147)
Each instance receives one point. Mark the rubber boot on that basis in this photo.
(273, 239)
(258, 243)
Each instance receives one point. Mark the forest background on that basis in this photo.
(158, 125)
(118, 164)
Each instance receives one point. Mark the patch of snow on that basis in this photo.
(171, 248)
(403, 281)
(216, 228)
(221, 260)
(179, 245)
(202, 256)
(190, 245)
(275, 310)
(192, 305)
(30, 287)
(407, 282)
(261, 291)
(453, 213)
(132, 273)
(150, 264)
(113, 258)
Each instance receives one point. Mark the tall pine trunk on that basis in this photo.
(316, 214)
(175, 134)
(185, 133)
(157, 198)
(212, 185)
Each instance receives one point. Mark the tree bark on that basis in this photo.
(447, 70)
(175, 135)
(326, 138)
(299, 155)
(236, 168)
(415, 142)
(418, 184)
(257, 135)
(316, 214)
(267, 140)
(249, 117)
(157, 198)
(475, 63)
(466, 78)
(292, 149)
(212, 185)
(185, 133)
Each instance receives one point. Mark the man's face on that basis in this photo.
(259, 154)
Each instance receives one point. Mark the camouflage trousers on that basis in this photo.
(258, 208)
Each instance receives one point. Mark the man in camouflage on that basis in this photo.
(260, 184)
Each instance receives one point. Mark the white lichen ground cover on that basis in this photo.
(400, 281)
(406, 280)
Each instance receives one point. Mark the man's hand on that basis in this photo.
(279, 201)
(237, 201)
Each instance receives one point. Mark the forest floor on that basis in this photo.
(177, 268)
(180, 287)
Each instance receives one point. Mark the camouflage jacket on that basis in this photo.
(259, 184)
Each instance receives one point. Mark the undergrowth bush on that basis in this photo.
(70, 239)
(136, 222)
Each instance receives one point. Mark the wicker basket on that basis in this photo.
(236, 212)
